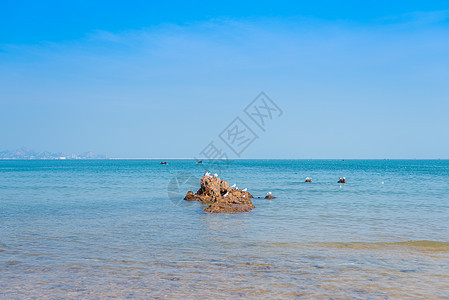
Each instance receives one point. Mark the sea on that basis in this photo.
(95, 229)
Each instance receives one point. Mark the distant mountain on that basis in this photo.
(25, 153)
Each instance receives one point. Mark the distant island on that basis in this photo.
(25, 153)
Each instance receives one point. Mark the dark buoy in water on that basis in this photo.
(342, 180)
(200, 162)
(164, 163)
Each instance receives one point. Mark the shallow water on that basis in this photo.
(108, 228)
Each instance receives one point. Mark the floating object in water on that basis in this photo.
(382, 182)
(342, 180)
(200, 162)
(164, 163)
(308, 179)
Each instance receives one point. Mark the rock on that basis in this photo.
(232, 203)
(190, 196)
(342, 180)
(269, 197)
(308, 180)
(221, 197)
(194, 197)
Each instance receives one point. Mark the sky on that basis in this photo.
(144, 79)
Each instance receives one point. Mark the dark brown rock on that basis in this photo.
(232, 203)
(222, 198)
(269, 197)
(190, 196)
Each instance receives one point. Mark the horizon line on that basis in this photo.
(239, 158)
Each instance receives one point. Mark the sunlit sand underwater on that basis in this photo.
(107, 228)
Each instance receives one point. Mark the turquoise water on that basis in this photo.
(109, 228)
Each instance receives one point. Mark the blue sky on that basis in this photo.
(142, 79)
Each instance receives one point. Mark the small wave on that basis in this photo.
(420, 245)
(3, 247)
(431, 245)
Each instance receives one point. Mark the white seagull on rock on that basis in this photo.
(215, 175)
(207, 174)
(245, 189)
(233, 186)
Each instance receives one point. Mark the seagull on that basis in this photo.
(269, 193)
(225, 195)
(207, 174)
(344, 177)
(245, 189)
(215, 175)
(382, 182)
(233, 186)
(243, 196)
